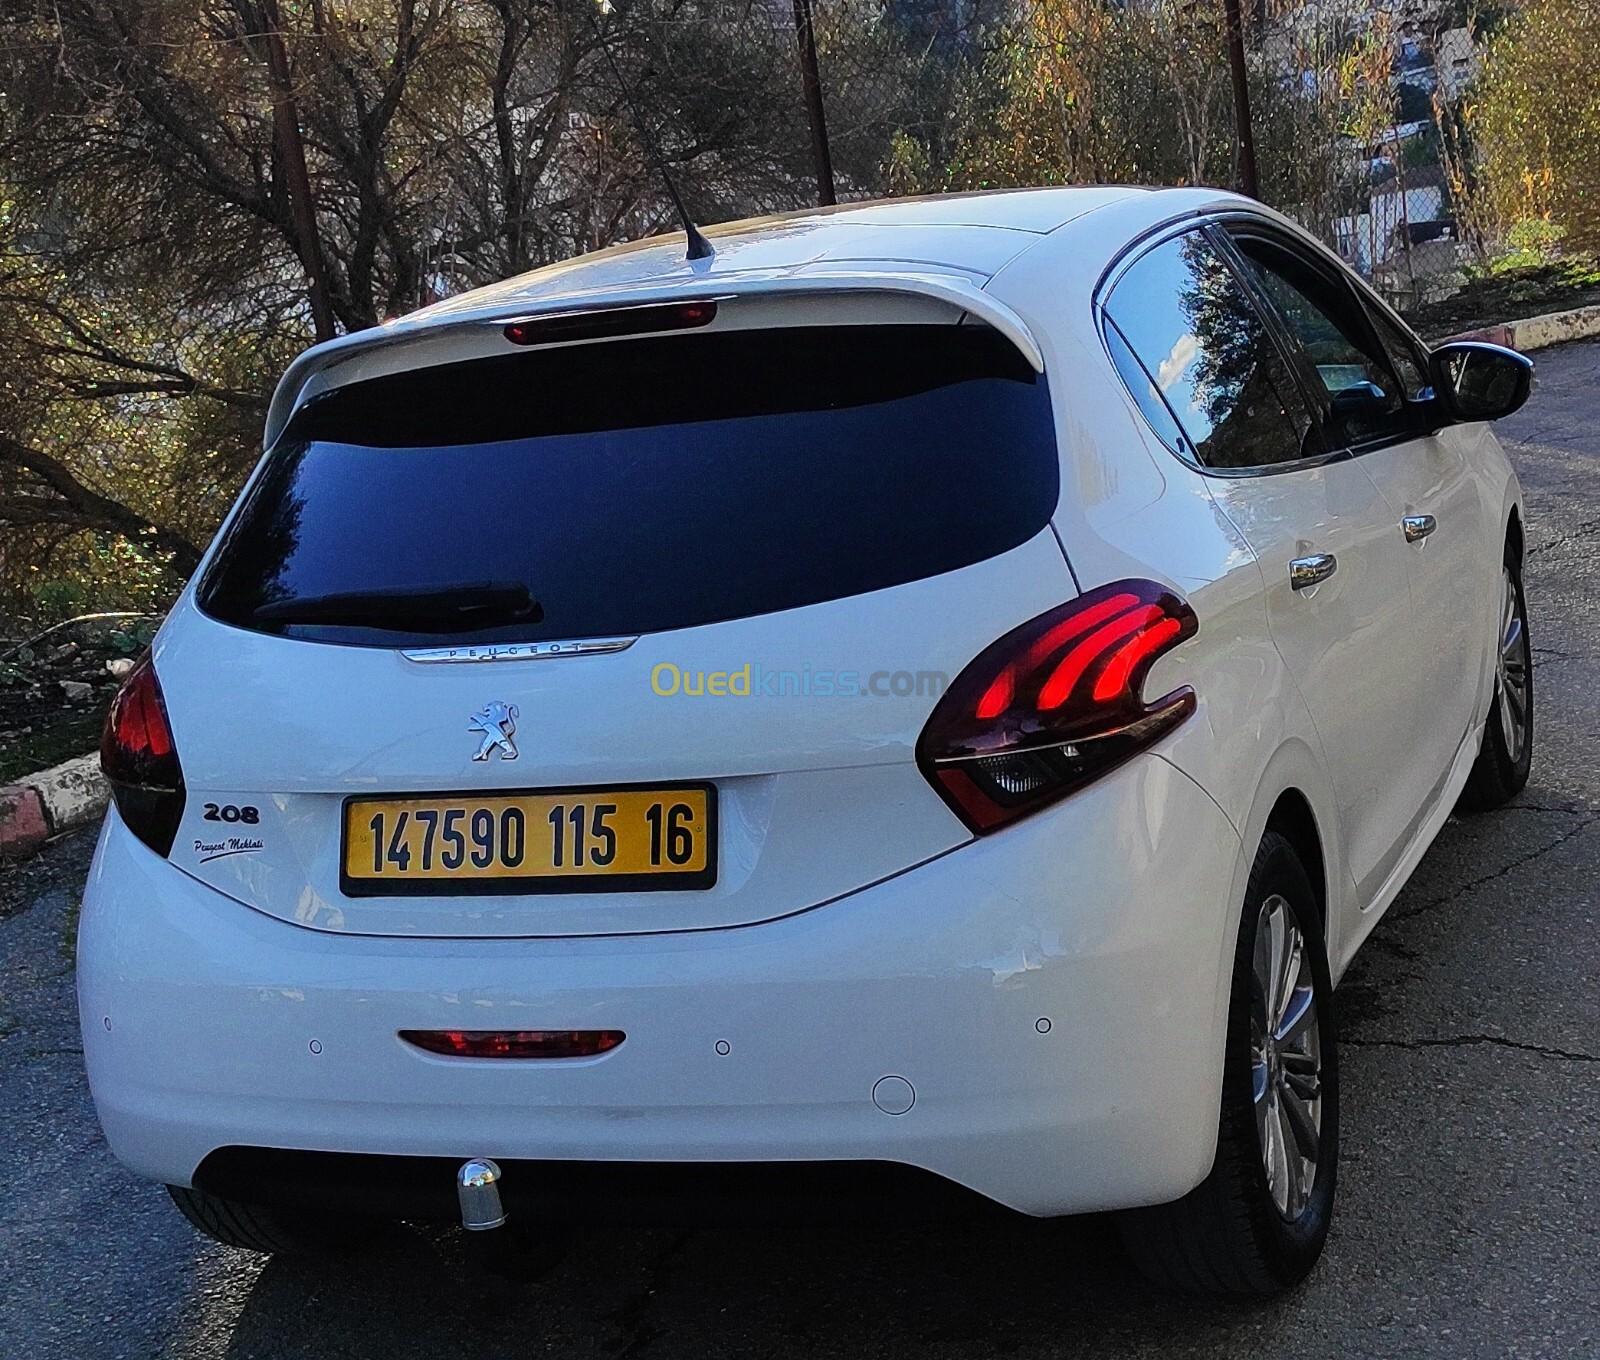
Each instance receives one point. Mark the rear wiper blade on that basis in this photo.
(440, 609)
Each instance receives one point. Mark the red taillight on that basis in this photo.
(140, 761)
(515, 1043)
(1056, 703)
(605, 322)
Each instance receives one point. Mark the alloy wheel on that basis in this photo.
(1511, 670)
(1285, 1057)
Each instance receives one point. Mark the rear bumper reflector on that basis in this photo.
(515, 1043)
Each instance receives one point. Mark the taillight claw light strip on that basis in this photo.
(1056, 703)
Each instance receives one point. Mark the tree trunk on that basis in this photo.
(286, 125)
(1248, 182)
(816, 115)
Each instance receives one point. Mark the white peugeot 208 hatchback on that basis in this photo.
(929, 698)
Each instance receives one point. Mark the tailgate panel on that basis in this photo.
(817, 794)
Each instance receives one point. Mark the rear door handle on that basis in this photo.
(1418, 527)
(1311, 571)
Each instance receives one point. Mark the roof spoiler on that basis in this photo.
(459, 317)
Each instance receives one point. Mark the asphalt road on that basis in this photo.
(1468, 1200)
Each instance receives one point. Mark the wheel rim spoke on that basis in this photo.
(1304, 1068)
(1509, 726)
(1302, 1126)
(1515, 694)
(1299, 1011)
(1260, 997)
(1511, 647)
(1280, 947)
(1276, 1154)
(1306, 1085)
(1289, 985)
(1294, 1196)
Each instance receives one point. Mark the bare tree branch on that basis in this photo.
(89, 509)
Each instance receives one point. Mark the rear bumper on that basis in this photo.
(1055, 995)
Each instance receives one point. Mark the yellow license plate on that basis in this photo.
(544, 840)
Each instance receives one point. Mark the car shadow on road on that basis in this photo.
(1008, 1288)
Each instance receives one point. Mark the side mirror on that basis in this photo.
(1477, 381)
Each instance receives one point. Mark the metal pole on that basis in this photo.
(811, 84)
(1248, 183)
(286, 121)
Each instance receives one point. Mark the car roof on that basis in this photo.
(1035, 210)
(975, 234)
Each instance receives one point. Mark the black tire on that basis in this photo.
(1227, 1237)
(254, 1227)
(1502, 767)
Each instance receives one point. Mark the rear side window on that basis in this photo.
(640, 485)
(1141, 387)
(1210, 354)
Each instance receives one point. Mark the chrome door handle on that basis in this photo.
(1311, 571)
(1418, 527)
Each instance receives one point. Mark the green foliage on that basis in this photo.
(1537, 236)
(81, 573)
(60, 599)
(909, 167)
(1531, 243)
(1078, 91)
(1535, 119)
(1416, 153)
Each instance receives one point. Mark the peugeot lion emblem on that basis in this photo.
(496, 722)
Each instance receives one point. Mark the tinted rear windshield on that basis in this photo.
(639, 486)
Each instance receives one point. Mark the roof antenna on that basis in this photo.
(699, 247)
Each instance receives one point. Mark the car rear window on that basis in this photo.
(640, 485)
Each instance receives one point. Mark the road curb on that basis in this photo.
(23, 828)
(45, 804)
(1540, 332)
